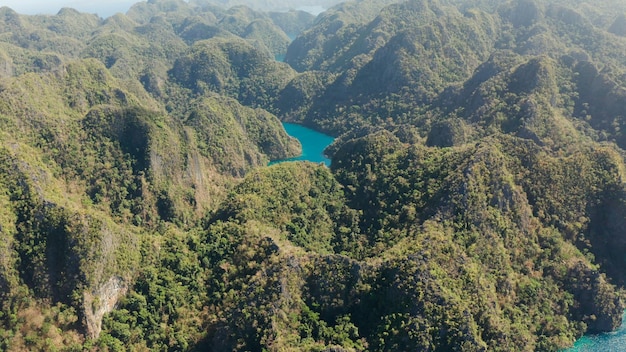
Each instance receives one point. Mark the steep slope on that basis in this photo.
(517, 280)
(233, 68)
(94, 168)
(237, 138)
(292, 22)
(331, 34)
(88, 158)
(475, 200)
(391, 60)
(406, 64)
(257, 27)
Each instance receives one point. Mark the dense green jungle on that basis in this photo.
(475, 200)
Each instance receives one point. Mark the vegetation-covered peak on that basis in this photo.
(475, 199)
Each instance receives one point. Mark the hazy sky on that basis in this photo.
(102, 8)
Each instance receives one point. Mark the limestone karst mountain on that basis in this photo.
(475, 200)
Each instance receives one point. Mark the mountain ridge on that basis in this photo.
(475, 199)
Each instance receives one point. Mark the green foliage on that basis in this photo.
(292, 22)
(238, 138)
(478, 194)
(475, 200)
(234, 68)
(164, 307)
(302, 201)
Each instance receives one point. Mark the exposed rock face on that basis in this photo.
(101, 301)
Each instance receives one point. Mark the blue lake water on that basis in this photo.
(608, 342)
(313, 144)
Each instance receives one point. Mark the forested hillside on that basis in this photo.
(475, 200)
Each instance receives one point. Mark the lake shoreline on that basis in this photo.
(609, 341)
(313, 144)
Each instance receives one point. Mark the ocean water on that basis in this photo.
(313, 144)
(607, 342)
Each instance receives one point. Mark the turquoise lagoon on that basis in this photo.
(607, 342)
(313, 144)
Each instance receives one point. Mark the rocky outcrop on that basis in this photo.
(100, 301)
(598, 307)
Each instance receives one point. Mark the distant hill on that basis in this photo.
(273, 5)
